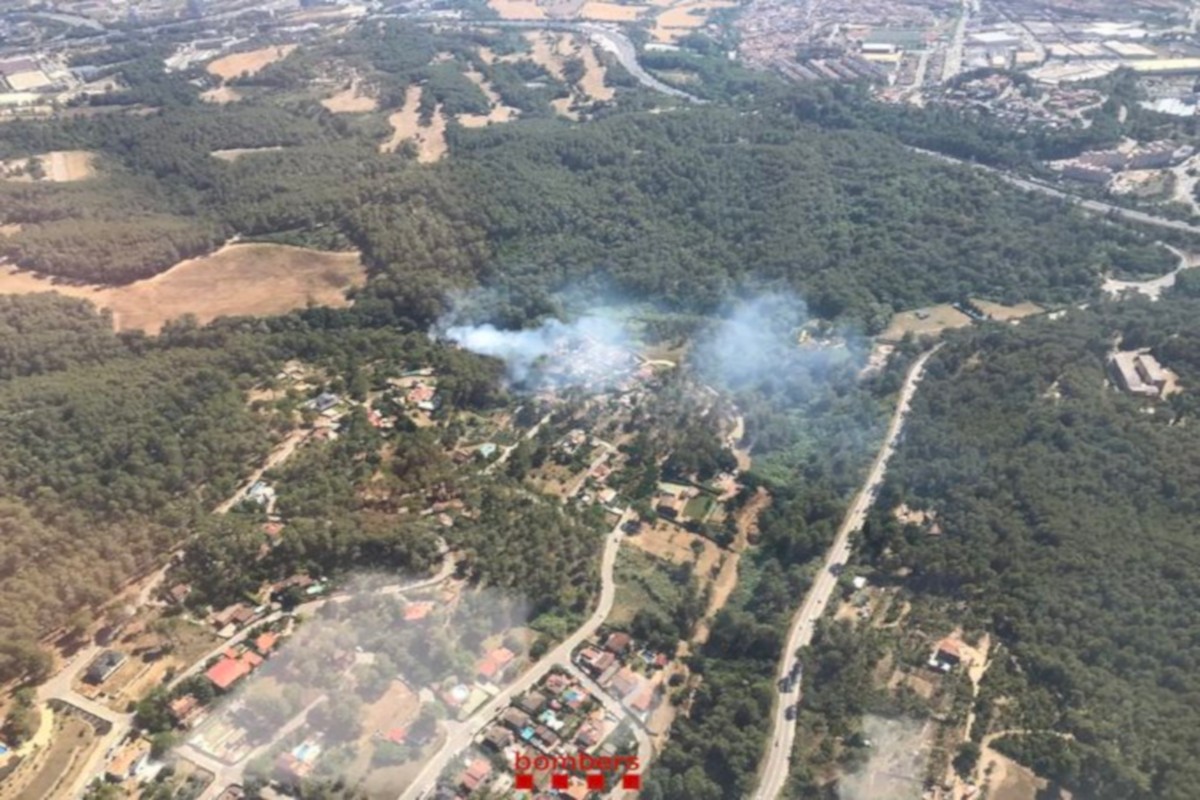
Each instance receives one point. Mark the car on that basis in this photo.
(791, 712)
(836, 569)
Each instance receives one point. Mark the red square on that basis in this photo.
(596, 781)
(560, 780)
(524, 782)
(632, 780)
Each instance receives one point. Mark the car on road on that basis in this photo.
(836, 569)
(790, 714)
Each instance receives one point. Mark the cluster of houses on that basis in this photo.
(238, 661)
(558, 717)
(608, 665)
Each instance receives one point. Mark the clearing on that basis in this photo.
(682, 19)
(351, 100)
(235, 65)
(221, 95)
(610, 12)
(499, 112)
(430, 140)
(1003, 313)
(72, 741)
(592, 83)
(517, 9)
(258, 279)
(233, 154)
(59, 166)
(932, 320)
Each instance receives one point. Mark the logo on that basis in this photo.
(599, 772)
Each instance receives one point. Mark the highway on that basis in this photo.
(778, 756)
(460, 734)
(1094, 206)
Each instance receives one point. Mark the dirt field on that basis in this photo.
(10, 230)
(60, 166)
(549, 50)
(592, 82)
(406, 124)
(68, 750)
(237, 152)
(351, 100)
(236, 64)
(924, 321)
(221, 95)
(1003, 313)
(610, 12)
(499, 112)
(262, 279)
(679, 20)
(517, 9)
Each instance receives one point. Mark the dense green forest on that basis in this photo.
(1069, 518)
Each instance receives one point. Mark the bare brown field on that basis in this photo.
(499, 113)
(406, 124)
(221, 95)
(922, 321)
(517, 9)
(60, 166)
(592, 82)
(238, 279)
(249, 62)
(610, 12)
(549, 51)
(351, 100)
(679, 20)
(675, 544)
(69, 749)
(11, 229)
(235, 153)
(1003, 313)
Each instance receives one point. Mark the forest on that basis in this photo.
(1069, 518)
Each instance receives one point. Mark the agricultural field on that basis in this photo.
(254, 279)
(680, 19)
(430, 140)
(221, 95)
(610, 12)
(499, 113)
(351, 100)
(57, 166)
(68, 748)
(517, 9)
(250, 62)
(924, 321)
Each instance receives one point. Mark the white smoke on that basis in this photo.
(589, 351)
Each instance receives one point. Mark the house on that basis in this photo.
(643, 701)
(415, 612)
(532, 703)
(555, 683)
(1138, 373)
(179, 592)
(228, 671)
(237, 615)
(624, 683)
(264, 643)
(596, 661)
(497, 738)
(127, 761)
(946, 656)
(104, 665)
(294, 766)
(588, 735)
(184, 710)
(474, 775)
(547, 737)
(323, 402)
(670, 506)
(515, 719)
(618, 643)
(493, 665)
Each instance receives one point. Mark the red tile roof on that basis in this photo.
(265, 643)
(414, 612)
(227, 672)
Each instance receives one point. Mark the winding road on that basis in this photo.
(779, 754)
(460, 734)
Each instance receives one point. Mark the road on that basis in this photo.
(778, 757)
(952, 65)
(460, 734)
(1095, 206)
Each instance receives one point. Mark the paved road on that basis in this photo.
(460, 734)
(1095, 206)
(778, 757)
